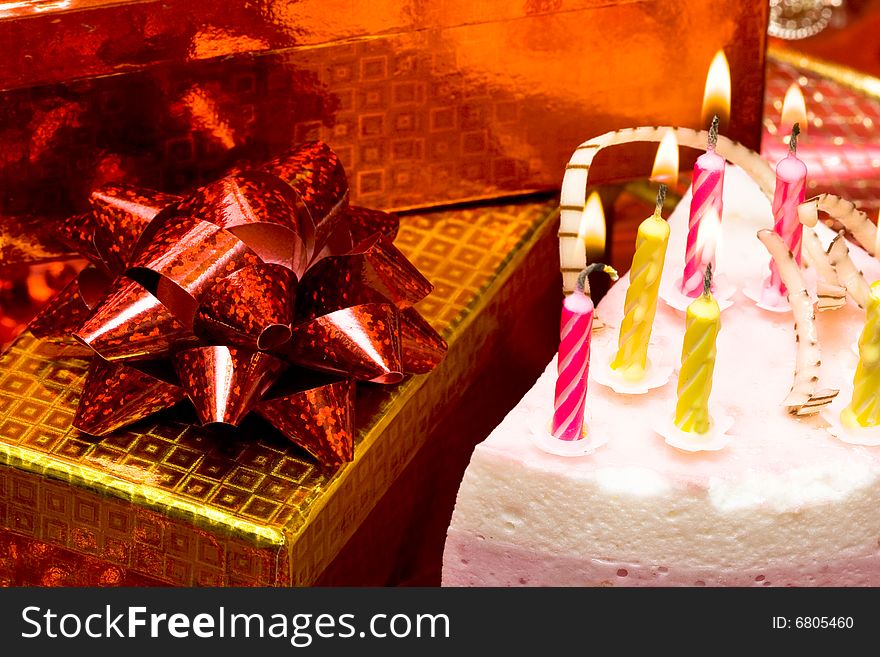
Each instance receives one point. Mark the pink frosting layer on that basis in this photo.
(473, 561)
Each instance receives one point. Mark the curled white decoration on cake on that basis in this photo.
(717, 438)
(848, 274)
(573, 198)
(543, 438)
(804, 398)
(657, 374)
(842, 213)
(831, 294)
(670, 291)
(831, 297)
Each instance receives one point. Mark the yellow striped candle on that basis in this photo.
(698, 361)
(640, 306)
(864, 409)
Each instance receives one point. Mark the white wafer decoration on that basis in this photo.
(846, 274)
(573, 198)
(850, 276)
(844, 213)
(818, 258)
(832, 295)
(804, 398)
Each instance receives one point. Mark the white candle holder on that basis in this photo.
(543, 439)
(670, 291)
(717, 438)
(768, 298)
(656, 376)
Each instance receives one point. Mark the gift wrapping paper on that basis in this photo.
(165, 502)
(425, 103)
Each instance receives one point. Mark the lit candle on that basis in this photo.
(641, 298)
(698, 361)
(573, 365)
(791, 178)
(707, 193)
(864, 409)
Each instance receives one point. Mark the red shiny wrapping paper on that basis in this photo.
(424, 103)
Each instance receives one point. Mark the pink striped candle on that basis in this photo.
(574, 363)
(708, 187)
(791, 178)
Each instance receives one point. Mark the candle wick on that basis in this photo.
(661, 199)
(583, 283)
(713, 134)
(792, 145)
(707, 280)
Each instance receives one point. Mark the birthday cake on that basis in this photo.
(788, 501)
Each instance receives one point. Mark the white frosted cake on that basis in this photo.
(784, 503)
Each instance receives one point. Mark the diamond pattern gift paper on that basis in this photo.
(163, 501)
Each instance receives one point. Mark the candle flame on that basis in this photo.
(666, 161)
(592, 228)
(716, 96)
(794, 110)
(709, 233)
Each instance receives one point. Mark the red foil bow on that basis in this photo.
(263, 291)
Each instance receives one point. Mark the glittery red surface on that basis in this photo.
(225, 383)
(364, 222)
(362, 341)
(188, 256)
(375, 271)
(316, 175)
(74, 234)
(121, 213)
(252, 307)
(132, 324)
(193, 292)
(26, 561)
(319, 419)
(66, 313)
(421, 346)
(115, 395)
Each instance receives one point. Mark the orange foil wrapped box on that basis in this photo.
(425, 103)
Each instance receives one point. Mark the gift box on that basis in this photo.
(165, 502)
(426, 104)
